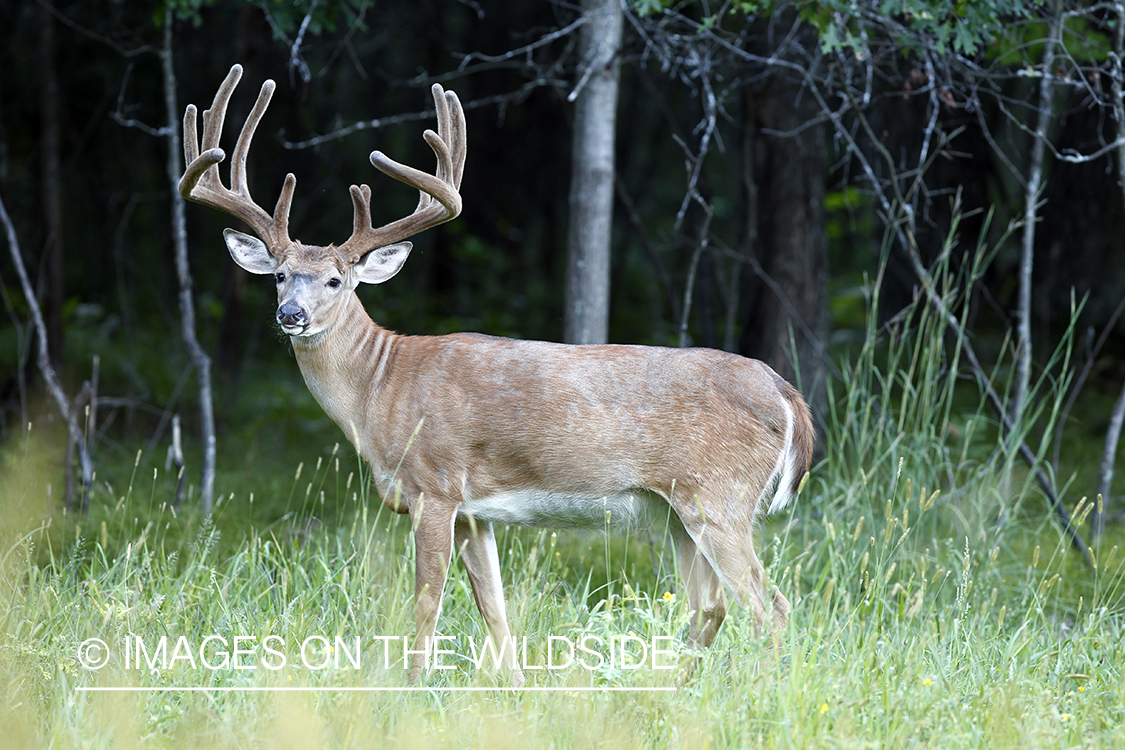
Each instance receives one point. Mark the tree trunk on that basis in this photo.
(1117, 416)
(199, 358)
(54, 296)
(1031, 211)
(788, 289)
(586, 317)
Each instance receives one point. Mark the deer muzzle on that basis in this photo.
(291, 315)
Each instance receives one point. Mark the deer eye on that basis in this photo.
(334, 283)
(279, 277)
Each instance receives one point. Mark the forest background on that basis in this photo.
(811, 184)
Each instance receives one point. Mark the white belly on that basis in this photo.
(539, 508)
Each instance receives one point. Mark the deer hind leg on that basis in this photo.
(707, 601)
(724, 539)
(730, 551)
(477, 545)
(432, 520)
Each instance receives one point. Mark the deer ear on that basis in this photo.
(382, 263)
(249, 252)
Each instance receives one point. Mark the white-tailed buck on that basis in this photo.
(463, 431)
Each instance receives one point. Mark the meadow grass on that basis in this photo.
(935, 604)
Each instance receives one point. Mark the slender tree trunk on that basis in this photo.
(1106, 468)
(52, 191)
(1031, 212)
(1117, 416)
(199, 358)
(586, 319)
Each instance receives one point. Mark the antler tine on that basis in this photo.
(440, 200)
(213, 118)
(441, 173)
(361, 205)
(458, 137)
(191, 140)
(437, 140)
(201, 182)
(281, 210)
(238, 182)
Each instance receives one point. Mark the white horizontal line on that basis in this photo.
(346, 689)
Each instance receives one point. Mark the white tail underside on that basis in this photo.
(782, 478)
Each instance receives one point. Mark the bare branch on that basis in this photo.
(54, 386)
(502, 100)
(689, 285)
(296, 61)
(346, 43)
(89, 34)
(524, 51)
(118, 115)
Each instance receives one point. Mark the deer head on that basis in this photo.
(314, 282)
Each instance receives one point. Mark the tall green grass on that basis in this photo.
(935, 602)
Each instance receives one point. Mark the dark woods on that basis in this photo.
(764, 171)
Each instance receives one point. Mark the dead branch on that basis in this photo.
(68, 411)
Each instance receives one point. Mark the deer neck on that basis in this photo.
(345, 365)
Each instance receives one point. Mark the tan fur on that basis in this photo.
(466, 430)
(444, 420)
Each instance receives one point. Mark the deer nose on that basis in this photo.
(291, 314)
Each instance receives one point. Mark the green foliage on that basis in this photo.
(946, 26)
(649, 7)
(1021, 44)
(186, 10)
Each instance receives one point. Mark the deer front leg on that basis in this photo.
(432, 520)
(476, 542)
